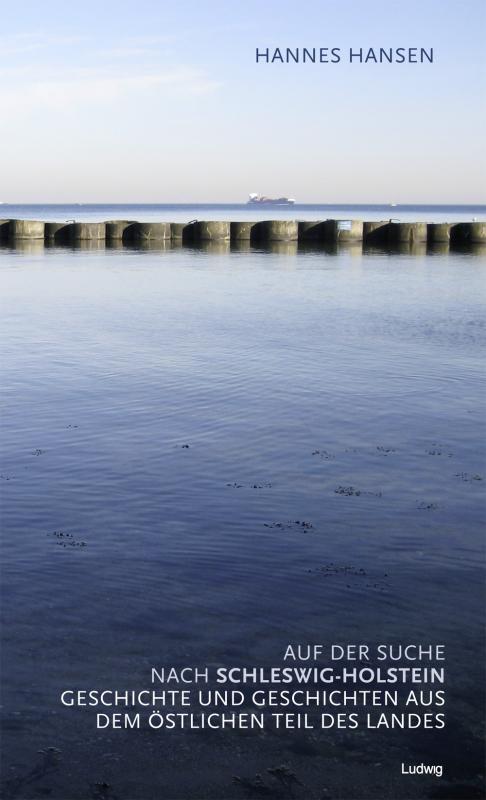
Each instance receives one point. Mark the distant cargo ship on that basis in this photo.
(261, 200)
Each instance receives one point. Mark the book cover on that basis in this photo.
(242, 257)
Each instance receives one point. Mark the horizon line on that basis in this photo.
(239, 203)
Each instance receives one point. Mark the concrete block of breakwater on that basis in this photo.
(87, 231)
(376, 232)
(478, 232)
(144, 232)
(312, 231)
(115, 228)
(438, 232)
(276, 230)
(26, 229)
(56, 232)
(4, 229)
(343, 230)
(211, 231)
(469, 233)
(241, 231)
(407, 232)
(460, 233)
(177, 230)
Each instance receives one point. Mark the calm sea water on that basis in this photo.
(178, 212)
(174, 414)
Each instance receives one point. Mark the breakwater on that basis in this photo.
(329, 232)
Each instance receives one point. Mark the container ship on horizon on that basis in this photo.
(261, 200)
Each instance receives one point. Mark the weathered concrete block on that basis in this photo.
(128, 236)
(311, 231)
(79, 232)
(148, 232)
(343, 230)
(460, 233)
(241, 231)
(438, 232)
(89, 231)
(4, 229)
(376, 232)
(478, 232)
(469, 233)
(276, 230)
(26, 229)
(115, 228)
(189, 233)
(201, 231)
(177, 230)
(57, 232)
(407, 232)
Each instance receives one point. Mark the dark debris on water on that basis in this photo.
(351, 491)
(296, 523)
(467, 477)
(324, 454)
(235, 485)
(67, 539)
(332, 569)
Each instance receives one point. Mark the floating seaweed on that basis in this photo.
(303, 524)
(351, 491)
(67, 539)
(235, 485)
(331, 569)
(325, 455)
(467, 477)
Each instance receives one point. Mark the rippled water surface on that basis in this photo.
(178, 415)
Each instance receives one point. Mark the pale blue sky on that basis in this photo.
(152, 101)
